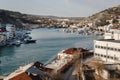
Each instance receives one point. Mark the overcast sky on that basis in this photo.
(68, 8)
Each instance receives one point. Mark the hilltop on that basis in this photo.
(15, 18)
(101, 17)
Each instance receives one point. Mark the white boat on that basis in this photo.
(18, 43)
(29, 41)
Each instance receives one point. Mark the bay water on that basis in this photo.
(49, 43)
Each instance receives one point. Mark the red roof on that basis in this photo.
(22, 76)
(70, 51)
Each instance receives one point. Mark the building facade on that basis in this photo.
(108, 49)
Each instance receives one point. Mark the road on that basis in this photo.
(68, 74)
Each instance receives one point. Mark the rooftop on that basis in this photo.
(28, 71)
(58, 63)
(109, 40)
(19, 71)
(70, 51)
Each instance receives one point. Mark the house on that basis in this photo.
(63, 60)
(69, 53)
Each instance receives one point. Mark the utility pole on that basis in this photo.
(81, 67)
(78, 65)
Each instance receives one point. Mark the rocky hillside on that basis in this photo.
(16, 18)
(25, 20)
(101, 17)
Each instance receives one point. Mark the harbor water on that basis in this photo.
(49, 43)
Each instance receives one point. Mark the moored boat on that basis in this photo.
(18, 43)
(30, 41)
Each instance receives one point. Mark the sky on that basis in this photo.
(62, 8)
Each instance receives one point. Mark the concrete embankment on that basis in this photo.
(2, 77)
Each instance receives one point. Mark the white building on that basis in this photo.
(113, 34)
(11, 30)
(63, 58)
(108, 49)
(73, 26)
(63, 20)
(65, 55)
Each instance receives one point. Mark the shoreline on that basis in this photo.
(58, 64)
(50, 59)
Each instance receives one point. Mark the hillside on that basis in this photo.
(25, 20)
(15, 18)
(101, 17)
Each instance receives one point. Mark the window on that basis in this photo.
(108, 48)
(118, 49)
(115, 49)
(96, 54)
(111, 48)
(115, 58)
(108, 56)
(111, 57)
(101, 55)
(101, 47)
(104, 55)
(104, 47)
(96, 46)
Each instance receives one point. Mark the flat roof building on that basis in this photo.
(108, 49)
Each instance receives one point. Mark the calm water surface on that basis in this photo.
(49, 43)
